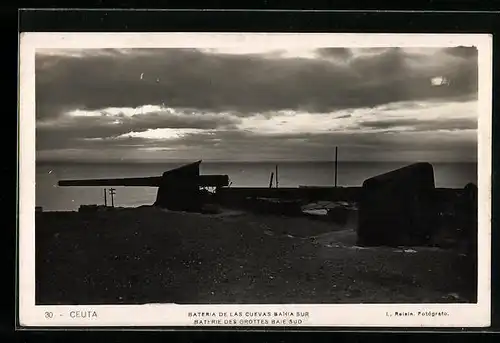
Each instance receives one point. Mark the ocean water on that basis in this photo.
(247, 174)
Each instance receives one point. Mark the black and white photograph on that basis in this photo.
(257, 173)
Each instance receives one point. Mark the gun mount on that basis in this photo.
(178, 189)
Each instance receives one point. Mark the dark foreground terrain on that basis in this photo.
(147, 255)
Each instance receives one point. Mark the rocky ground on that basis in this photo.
(148, 255)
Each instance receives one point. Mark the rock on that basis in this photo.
(316, 212)
(88, 208)
(398, 208)
(275, 206)
(339, 214)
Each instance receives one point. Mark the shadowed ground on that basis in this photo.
(148, 255)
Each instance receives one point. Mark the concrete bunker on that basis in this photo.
(398, 207)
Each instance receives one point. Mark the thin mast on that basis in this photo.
(336, 156)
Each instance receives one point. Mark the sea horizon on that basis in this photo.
(50, 196)
(130, 162)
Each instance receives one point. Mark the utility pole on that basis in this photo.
(277, 182)
(336, 156)
(112, 193)
(105, 198)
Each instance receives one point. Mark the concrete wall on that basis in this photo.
(398, 208)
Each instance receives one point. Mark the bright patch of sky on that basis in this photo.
(163, 133)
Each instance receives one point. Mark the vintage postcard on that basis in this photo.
(254, 180)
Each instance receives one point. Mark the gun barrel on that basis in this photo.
(140, 181)
(155, 181)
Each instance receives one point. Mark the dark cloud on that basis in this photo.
(201, 86)
(242, 83)
(70, 131)
(234, 145)
(468, 52)
(344, 116)
(394, 76)
(336, 53)
(423, 125)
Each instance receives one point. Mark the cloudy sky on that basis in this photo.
(377, 104)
